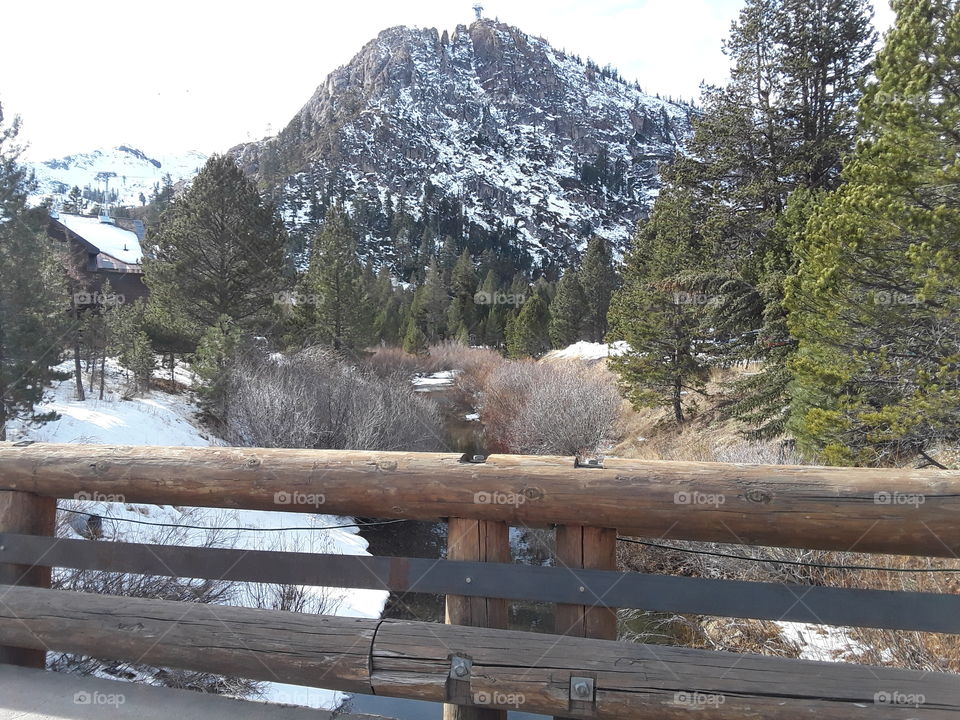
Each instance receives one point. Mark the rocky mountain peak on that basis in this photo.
(486, 132)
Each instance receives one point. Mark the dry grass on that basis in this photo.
(651, 434)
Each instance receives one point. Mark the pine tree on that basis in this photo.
(876, 301)
(429, 307)
(219, 250)
(598, 279)
(32, 294)
(335, 309)
(212, 363)
(658, 318)
(463, 288)
(527, 332)
(567, 311)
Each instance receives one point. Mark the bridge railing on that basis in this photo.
(484, 670)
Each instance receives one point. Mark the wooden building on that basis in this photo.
(103, 248)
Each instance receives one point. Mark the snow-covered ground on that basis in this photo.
(587, 351)
(160, 418)
(436, 381)
(821, 642)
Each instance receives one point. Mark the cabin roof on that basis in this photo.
(120, 244)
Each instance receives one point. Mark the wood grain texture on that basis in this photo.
(531, 672)
(26, 514)
(518, 670)
(848, 509)
(579, 548)
(483, 541)
(269, 645)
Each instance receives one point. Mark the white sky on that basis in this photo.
(172, 76)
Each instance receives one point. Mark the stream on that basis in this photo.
(428, 540)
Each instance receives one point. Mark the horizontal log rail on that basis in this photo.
(504, 669)
(900, 511)
(901, 610)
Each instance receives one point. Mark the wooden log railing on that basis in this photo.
(912, 512)
(480, 672)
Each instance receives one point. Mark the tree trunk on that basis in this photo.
(103, 372)
(677, 400)
(77, 365)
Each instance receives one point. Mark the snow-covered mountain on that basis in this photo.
(129, 171)
(489, 132)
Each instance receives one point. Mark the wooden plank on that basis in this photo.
(901, 511)
(579, 548)
(482, 541)
(896, 610)
(268, 645)
(29, 514)
(531, 672)
(517, 670)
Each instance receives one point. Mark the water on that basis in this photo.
(428, 540)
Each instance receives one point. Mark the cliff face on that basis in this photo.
(524, 143)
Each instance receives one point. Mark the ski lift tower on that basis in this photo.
(478, 9)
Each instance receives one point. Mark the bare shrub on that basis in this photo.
(549, 408)
(386, 361)
(313, 399)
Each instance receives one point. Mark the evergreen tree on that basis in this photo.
(658, 318)
(219, 250)
(598, 279)
(212, 362)
(876, 301)
(429, 307)
(336, 310)
(463, 288)
(567, 311)
(528, 331)
(32, 293)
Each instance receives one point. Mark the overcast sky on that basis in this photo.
(204, 75)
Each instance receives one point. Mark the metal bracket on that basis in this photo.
(458, 680)
(582, 689)
(460, 668)
(586, 462)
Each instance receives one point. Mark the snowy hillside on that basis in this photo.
(165, 419)
(131, 172)
(494, 133)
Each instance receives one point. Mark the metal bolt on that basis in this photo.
(582, 589)
(460, 670)
(582, 689)
(469, 580)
